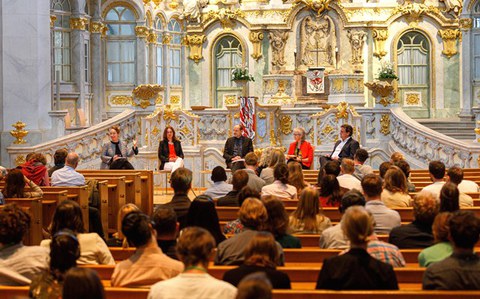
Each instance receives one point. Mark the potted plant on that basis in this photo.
(387, 72)
(240, 75)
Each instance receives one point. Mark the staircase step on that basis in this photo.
(455, 128)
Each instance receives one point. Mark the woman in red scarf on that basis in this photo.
(34, 169)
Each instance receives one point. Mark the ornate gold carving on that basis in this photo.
(169, 114)
(78, 23)
(159, 100)
(262, 115)
(173, 4)
(152, 37)
(382, 90)
(19, 132)
(236, 115)
(175, 100)
(385, 124)
(166, 39)
(413, 12)
(357, 39)
(278, 40)
(327, 129)
(453, 6)
(337, 85)
(465, 24)
(256, 39)
(226, 17)
(185, 130)
(19, 160)
(412, 99)
(342, 111)
(122, 100)
(53, 18)
(147, 91)
(155, 131)
(270, 13)
(155, 2)
(97, 27)
(286, 124)
(195, 43)
(379, 38)
(449, 37)
(141, 31)
(230, 100)
(318, 6)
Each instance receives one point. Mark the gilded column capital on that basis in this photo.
(256, 38)
(465, 24)
(449, 37)
(195, 43)
(78, 23)
(53, 18)
(380, 35)
(141, 31)
(152, 37)
(166, 39)
(97, 27)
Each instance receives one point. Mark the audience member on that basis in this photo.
(385, 218)
(181, 182)
(64, 252)
(82, 283)
(34, 169)
(254, 286)
(361, 170)
(330, 191)
(118, 239)
(253, 216)
(442, 248)
(277, 223)
(332, 167)
(220, 186)
(265, 159)
(308, 217)
(356, 269)
(239, 180)
(93, 250)
(236, 226)
(383, 168)
(449, 198)
(346, 179)
(280, 187)
(251, 163)
(278, 157)
(59, 160)
(202, 213)
(18, 263)
(455, 176)
(148, 264)
(194, 247)
(166, 227)
(295, 176)
(395, 190)
(396, 156)
(460, 271)
(437, 173)
(15, 186)
(417, 234)
(261, 255)
(405, 167)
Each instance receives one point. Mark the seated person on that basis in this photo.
(308, 217)
(170, 151)
(59, 159)
(277, 157)
(236, 148)
(255, 285)
(344, 148)
(280, 187)
(251, 163)
(460, 271)
(300, 150)
(118, 239)
(167, 227)
(181, 182)
(236, 226)
(455, 176)
(239, 180)
(361, 170)
(82, 283)
(395, 189)
(34, 169)
(148, 264)
(220, 186)
(437, 174)
(277, 223)
(346, 179)
(442, 248)
(405, 167)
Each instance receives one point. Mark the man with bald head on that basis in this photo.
(68, 176)
(236, 148)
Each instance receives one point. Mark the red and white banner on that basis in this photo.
(247, 116)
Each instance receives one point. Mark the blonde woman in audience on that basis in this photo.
(442, 248)
(295, 176)
(280, 186)
(395, 189)
(278, 157)
(395, 157)
(195, 246)
(119, 239)
(308, 218)
(356, 269)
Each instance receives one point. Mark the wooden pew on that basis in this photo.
(34, 207)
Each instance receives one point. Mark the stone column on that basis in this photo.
(97, 74)
(141, 32)
(78, 25)
(465, 79)
(152, 40)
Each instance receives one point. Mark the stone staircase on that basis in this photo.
(455, 128)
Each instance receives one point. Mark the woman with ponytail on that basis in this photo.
(280, 187)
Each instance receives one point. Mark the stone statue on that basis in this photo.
(454, 6)
(278, 39)
(192, 10)
(318, 42)
(356, 41)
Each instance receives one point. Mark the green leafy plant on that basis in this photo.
(386, 71)
(241, 73)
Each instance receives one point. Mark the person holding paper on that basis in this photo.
(236, 148)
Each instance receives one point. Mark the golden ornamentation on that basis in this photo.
(327, 130)
(465, 24)
(122, 100)
(147, 91)
(169, 114)
(226, 17)
(78, 23)
(449, 37)
(286, 124)
(159, 100)
(382, 90)
(53, 18)
(385, 124)
(185, 130)
(141, 31)
(256, 38)
(318, 6)
(143, 103)
(412, 99)
(173, 4)
(262, 115)
(97, 27)
(155, 2)
(337, 85)
(19, 160)
(414, 11)
(195, 43)
(379, 38)
(271, 13)
(152, 37)
(342, 111)
(273, 139)
(166, 39)
(230, 100)
(19, 132)
(236, 115)
(155, 131)
(175, 100)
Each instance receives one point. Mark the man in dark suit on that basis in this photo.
(236, 148)
(344, 148)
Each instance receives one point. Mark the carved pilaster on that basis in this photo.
(449, 37)
(256, 38)
(278, 39)
(195, 43)
(78, 23)
(379, 38)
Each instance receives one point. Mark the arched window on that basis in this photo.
(413, 55)
(228, 55)
(61, 39)
(121, 45)
(159, 51)
(175, 52)
(476, 41)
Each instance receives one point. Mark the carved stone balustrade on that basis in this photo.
(346, 88)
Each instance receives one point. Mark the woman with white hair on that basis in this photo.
(300, 150)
